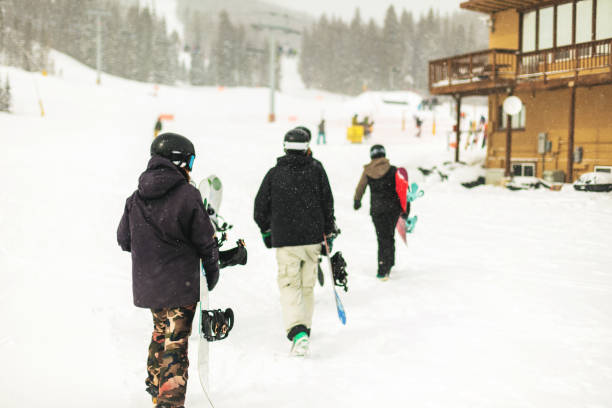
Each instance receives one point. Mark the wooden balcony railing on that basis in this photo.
(484, 71)
(488, 65)
(572, 59)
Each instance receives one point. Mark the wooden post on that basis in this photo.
(508, 144)
(494, 67)
(448, 70)
(458, 138)
(471, 68)
(570, 137)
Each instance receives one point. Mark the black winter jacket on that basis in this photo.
(380, 176)
(295, 202)
(168, 231)
(383, 197)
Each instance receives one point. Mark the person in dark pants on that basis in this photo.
(168, 232)
(294, 210)
(385, 207)
(321, 131)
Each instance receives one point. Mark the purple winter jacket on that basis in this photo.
(168, 231)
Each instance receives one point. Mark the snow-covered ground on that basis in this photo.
(501, 299)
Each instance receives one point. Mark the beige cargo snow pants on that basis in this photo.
(297, 274)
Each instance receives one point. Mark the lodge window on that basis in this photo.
(603, 169)
(518, 120)
(551, 26)
(603, 27)
(523, 169)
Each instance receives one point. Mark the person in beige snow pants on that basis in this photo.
(297, 274)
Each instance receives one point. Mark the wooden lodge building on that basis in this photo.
(556, 57)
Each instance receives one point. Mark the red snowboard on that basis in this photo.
(401, 187)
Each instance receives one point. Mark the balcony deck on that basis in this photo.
(495, 70)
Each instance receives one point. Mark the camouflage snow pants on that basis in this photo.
(168, 362)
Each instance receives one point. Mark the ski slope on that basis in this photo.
(501, 299)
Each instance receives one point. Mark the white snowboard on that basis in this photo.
(211, 189)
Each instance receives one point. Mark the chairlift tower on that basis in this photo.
(272, 29)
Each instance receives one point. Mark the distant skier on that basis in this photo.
(483, 129)
(167, 230)
(321, 132)
(419, 124)
(294, 209)
(385, 207)
(158, 127)
(355, 120)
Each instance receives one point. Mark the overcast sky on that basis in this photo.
(376, 9)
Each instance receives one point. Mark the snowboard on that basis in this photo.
(339, 306)
(407, 194)
(211, 190)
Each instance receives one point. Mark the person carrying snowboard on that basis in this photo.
(168, 232)
(385, 206)
(294, 209)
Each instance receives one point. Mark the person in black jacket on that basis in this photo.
(168, 232)
(294, 209)
(385, 206)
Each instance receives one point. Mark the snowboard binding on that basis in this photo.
(217, 324)
(411, 223)
(414, 192)
(234, 256)
(339, 271)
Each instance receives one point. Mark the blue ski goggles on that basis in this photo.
(190, 162)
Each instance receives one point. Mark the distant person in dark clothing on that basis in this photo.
(419, 123)
(294, 210)
(385, 206)
(168, 232)
(321, 132)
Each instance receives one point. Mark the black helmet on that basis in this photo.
(296, 141)
(176, 148)
(305, 129)
(377, 151)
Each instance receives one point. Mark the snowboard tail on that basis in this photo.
(339, 306)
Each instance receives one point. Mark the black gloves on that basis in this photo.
(235, 256)
(267, 238)
(404, 215)
(357, 204)
(212, 277)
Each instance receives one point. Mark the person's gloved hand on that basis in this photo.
(357, 204)
(330, 242)
(212, 277)
(404, 216)
(267, 238)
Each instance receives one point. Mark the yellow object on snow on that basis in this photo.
(355, 134)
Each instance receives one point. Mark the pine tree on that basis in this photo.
(223, 50)
(393, 47)
(408, 62)
(357, 64)
(5, 96)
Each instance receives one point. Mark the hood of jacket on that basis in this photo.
(377, 167)
(294, 160)
(159, 178)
